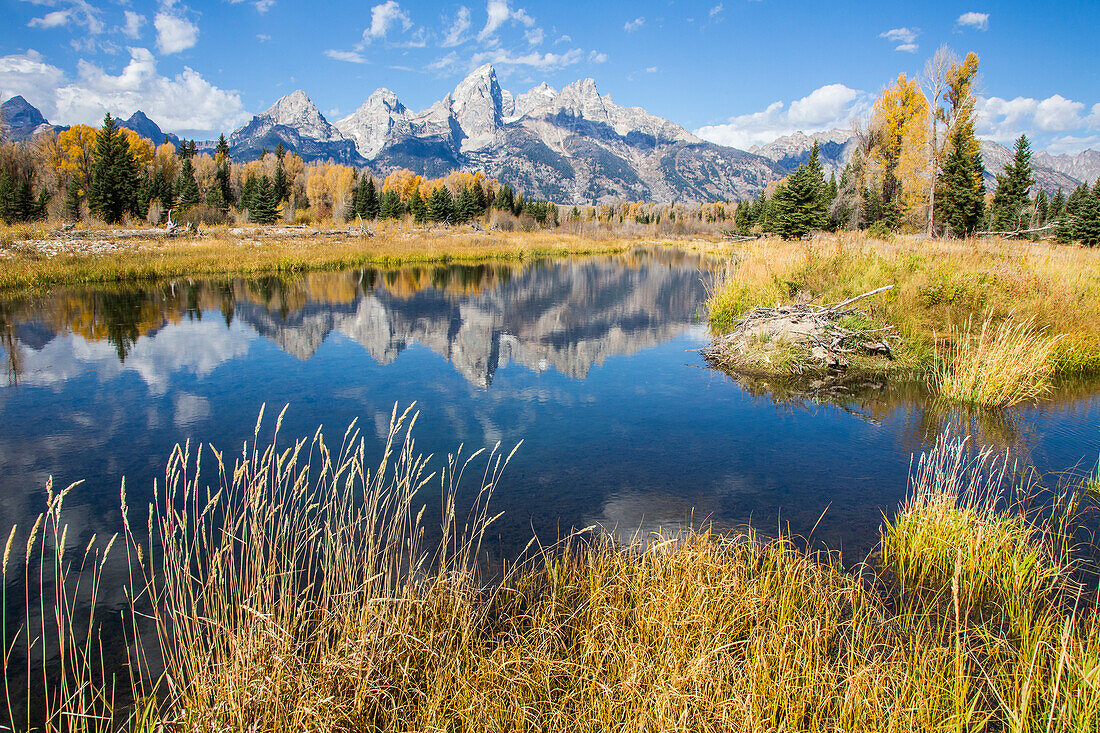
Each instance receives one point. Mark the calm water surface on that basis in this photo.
(592, 362)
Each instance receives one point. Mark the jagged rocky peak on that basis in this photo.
(478, 106)
(297, 110)
(533, 98)
(369, 127)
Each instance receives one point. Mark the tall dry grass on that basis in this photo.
(995, 364)
(296, 590)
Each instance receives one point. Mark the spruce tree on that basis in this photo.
(1010, 197)
(417, 207)
(800, 205)
(391, 207)
(1057, 206)
(370, 199)
(960, 192)
(264, 209)
(188, 190)
(280, 187)
(441, 205)
(1042, 208)
(1087, 229)
(72, 201)
(221, 176)
(113, 191)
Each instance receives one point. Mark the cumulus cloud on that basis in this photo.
(78, 12)
(980, 21)
(56, 19)
(904, 37)
(352, 57)
(499, 13)
(133, 25)
(457, 28)
(828, 107)
(384, 17)
(1004, 119)
(185, 101)
(174, 33)
(632, 25)
(506, 61)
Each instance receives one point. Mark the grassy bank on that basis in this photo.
(281, 602)
(34, 259)
(955, 295)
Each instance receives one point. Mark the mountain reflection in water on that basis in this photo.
(592, 362)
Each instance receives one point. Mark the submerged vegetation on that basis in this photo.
(297, 588)
(991, 321)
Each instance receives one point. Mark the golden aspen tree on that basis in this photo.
(900, 120)
(77, 154)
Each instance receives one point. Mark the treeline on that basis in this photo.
(917, 166)
(112, 174)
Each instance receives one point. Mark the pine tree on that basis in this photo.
(248, 191)
(417, 207)
(280, 187)
(221, 175)
(441, 205)
(188, 190)
(800, 206)
(1010, 197)
(390, 207)
(72, 201)
(114, 187)
(505, 199)
(370, 199)
(960, 194)
(264, 209)
(1087, 229)
(1042, 208)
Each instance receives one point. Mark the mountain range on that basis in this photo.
(572, 146)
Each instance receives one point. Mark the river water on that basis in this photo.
(592, 362)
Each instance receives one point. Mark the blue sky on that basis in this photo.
(735, 71)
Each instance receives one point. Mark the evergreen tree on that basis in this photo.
(417, 207)
(221, 175)
(280, 187)
(960, 196)
(441, 205)
(72, 201)
(466, 207)
(1010, 197)
(390, 206)
(800, 205)
(370, 199)
(188, 190)
(114, 187)
(505, 199)
(1057, 206)
(1087, 229)
(264, 209)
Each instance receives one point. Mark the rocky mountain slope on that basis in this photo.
(21, 119)
(571, 146)
(140, 123)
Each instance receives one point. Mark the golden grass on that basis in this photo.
(995, 365)
(295, 591)
(95, 259)
(938, 285)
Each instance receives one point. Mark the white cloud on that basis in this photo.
(185, 101)
(499, 13)
(263, 37)
(55, 19)
(632, 25)
(175, 34)
(904, 37)
(1004, 120)
(828, 107)
(384, 18)
(352, 57)
(900, 35)
(28, 74)
(979, 21)
(597, 58)
(535, 36)
(79, 12)
(456, 33)
(506, 61)
(651, 69)
(716, 10)
(134, 23)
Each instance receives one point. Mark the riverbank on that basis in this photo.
(944, 292)
(34, 259)
(971, 614)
